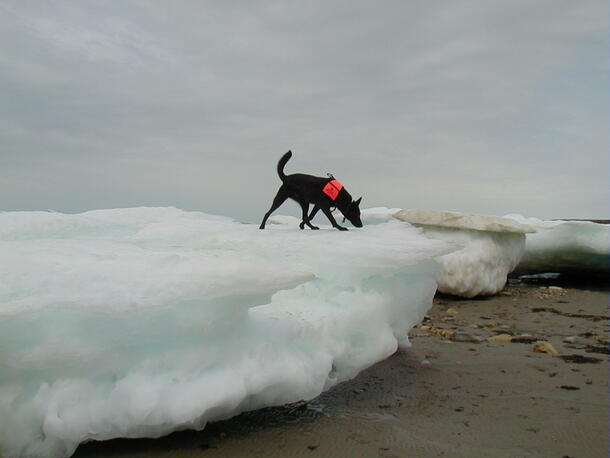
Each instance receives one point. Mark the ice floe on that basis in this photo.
(567, 247)
(138, 322)
(490, 248)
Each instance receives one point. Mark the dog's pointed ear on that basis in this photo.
(358, 201)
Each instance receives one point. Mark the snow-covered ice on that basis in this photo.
(570, 247)
(490, 248)
(138, 322)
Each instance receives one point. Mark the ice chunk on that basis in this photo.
(569, 247)
(377, 215)
(490, 248)
(138, 322)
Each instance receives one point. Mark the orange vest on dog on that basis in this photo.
(332, 189)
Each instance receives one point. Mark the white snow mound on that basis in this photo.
(142, 321)
(490, 248)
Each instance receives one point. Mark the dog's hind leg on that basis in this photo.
(307, 219)
(279, 199)
(305, 210)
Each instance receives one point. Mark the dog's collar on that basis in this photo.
(332, 189)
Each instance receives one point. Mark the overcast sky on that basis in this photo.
(477, 106)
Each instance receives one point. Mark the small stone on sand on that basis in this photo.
(501, 338)
(542, 346)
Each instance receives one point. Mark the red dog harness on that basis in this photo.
(332, 189)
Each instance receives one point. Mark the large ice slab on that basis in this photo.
(467, 221)
(490, 248)
(138, 322)
(568, 247)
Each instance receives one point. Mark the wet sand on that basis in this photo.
(453, 393)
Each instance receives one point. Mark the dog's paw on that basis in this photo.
(314, 228)
(341, 228)
(301, 226)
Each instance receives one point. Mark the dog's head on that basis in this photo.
(353, 213)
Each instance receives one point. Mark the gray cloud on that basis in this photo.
(484, 106)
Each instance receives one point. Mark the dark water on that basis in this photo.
(591, 282)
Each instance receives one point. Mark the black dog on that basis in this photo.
(323, 193)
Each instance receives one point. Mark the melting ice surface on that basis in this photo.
(138, 322)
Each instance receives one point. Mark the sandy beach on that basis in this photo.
(455, 392)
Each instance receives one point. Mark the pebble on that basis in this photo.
(501, 338)
(571, 340)
(465, 337)
(542, 346)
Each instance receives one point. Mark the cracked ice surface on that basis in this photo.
(141, 321)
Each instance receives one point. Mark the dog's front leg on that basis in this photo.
(331, 218)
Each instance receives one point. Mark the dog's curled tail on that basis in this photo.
(281, 163)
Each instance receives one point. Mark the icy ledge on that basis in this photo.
(139, 322)
(490, 248)
(568, 247)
